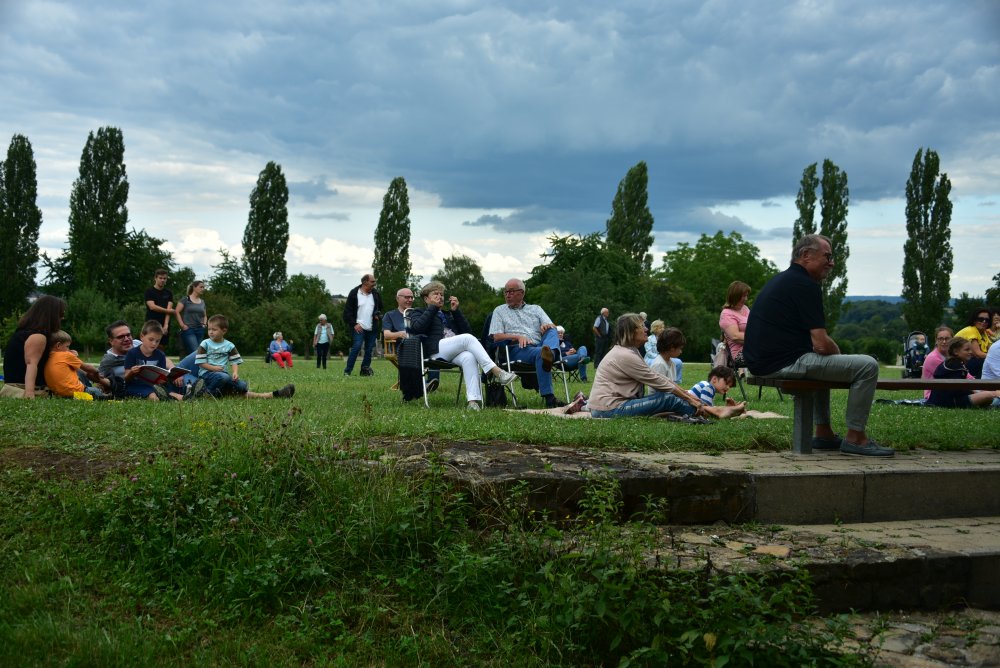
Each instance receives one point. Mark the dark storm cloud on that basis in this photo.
(311, 190)
(541, 109)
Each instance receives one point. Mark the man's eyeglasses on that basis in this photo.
(943, 338)
(512, 291)
(407, 296)
(124, 337)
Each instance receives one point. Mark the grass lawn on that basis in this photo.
(338, 410)
(264, 532)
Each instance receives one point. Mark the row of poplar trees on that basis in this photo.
(116, 263)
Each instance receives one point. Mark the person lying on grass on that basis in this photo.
(720, 379)
(623, 373)
(219, 364)
(148, 352)
(959, 353)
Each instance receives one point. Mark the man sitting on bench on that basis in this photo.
(786, 338)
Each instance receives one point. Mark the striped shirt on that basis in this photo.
(222, 354)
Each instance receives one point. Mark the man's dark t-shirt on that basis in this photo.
(159, 297)
(787, 308)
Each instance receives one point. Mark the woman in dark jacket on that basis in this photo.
(28, 349)
(445, 336)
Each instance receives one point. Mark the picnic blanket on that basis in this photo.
(757, 415)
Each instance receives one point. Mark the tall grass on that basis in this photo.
(269, 541)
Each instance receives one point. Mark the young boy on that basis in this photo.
(62, 365)
(219, 364)
(720, 379)
(670, 344)
(148, 353)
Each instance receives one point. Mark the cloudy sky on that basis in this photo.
(513, 121)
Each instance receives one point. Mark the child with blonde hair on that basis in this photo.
(61, 370)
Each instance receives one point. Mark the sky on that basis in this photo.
(512, 121)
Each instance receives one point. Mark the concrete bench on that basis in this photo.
(804, 393)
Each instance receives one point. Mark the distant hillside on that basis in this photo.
(892, 299)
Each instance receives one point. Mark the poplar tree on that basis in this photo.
(392, 239)
(630, 226)
(834, 200)
(927, 254)
(20, 220)
(265, 238)
(97, 217)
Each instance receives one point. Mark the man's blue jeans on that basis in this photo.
(573, 361)
(366, 337)
(657, 402)
(532, 354)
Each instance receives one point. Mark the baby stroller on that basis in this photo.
(915, 350)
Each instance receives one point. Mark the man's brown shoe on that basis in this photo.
(547, 358)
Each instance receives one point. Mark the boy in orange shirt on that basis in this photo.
(61, 368)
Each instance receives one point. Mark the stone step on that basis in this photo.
(915, 564)
(920, 530)
(742, 487)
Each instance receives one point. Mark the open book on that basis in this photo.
(157, 375)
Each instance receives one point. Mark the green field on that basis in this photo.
(270, 532)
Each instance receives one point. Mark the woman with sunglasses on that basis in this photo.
(977, 333)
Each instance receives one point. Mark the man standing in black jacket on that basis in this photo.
(361, 313)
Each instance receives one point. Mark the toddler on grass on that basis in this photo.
(219, 366)
(62, 366)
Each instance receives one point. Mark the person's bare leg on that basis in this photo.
(259, 395)
(723, 412)
(983, 398)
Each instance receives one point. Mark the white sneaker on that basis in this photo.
(474, 406)
(506, 377)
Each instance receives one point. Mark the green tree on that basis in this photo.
(88, 312)
(307, 295)
(630, 226)
(993, 293)
(98, 216)
(833, 225)
(20, 220)
(265, 238)
(228, 278)
(464, 278)
(608, 273)
(705, 271)
(392, 239)
(927, 255)
(805, 202)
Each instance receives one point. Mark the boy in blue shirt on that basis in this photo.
(219, 364)
(148, 353)
(720, 379)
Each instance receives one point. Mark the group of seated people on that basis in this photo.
(951, 359)
(527, 335)
(38, 361)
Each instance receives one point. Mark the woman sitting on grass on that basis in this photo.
(953, 368)
(623, 373)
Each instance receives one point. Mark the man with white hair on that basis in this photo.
(530, 335)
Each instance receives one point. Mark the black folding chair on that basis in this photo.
(526, 372)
